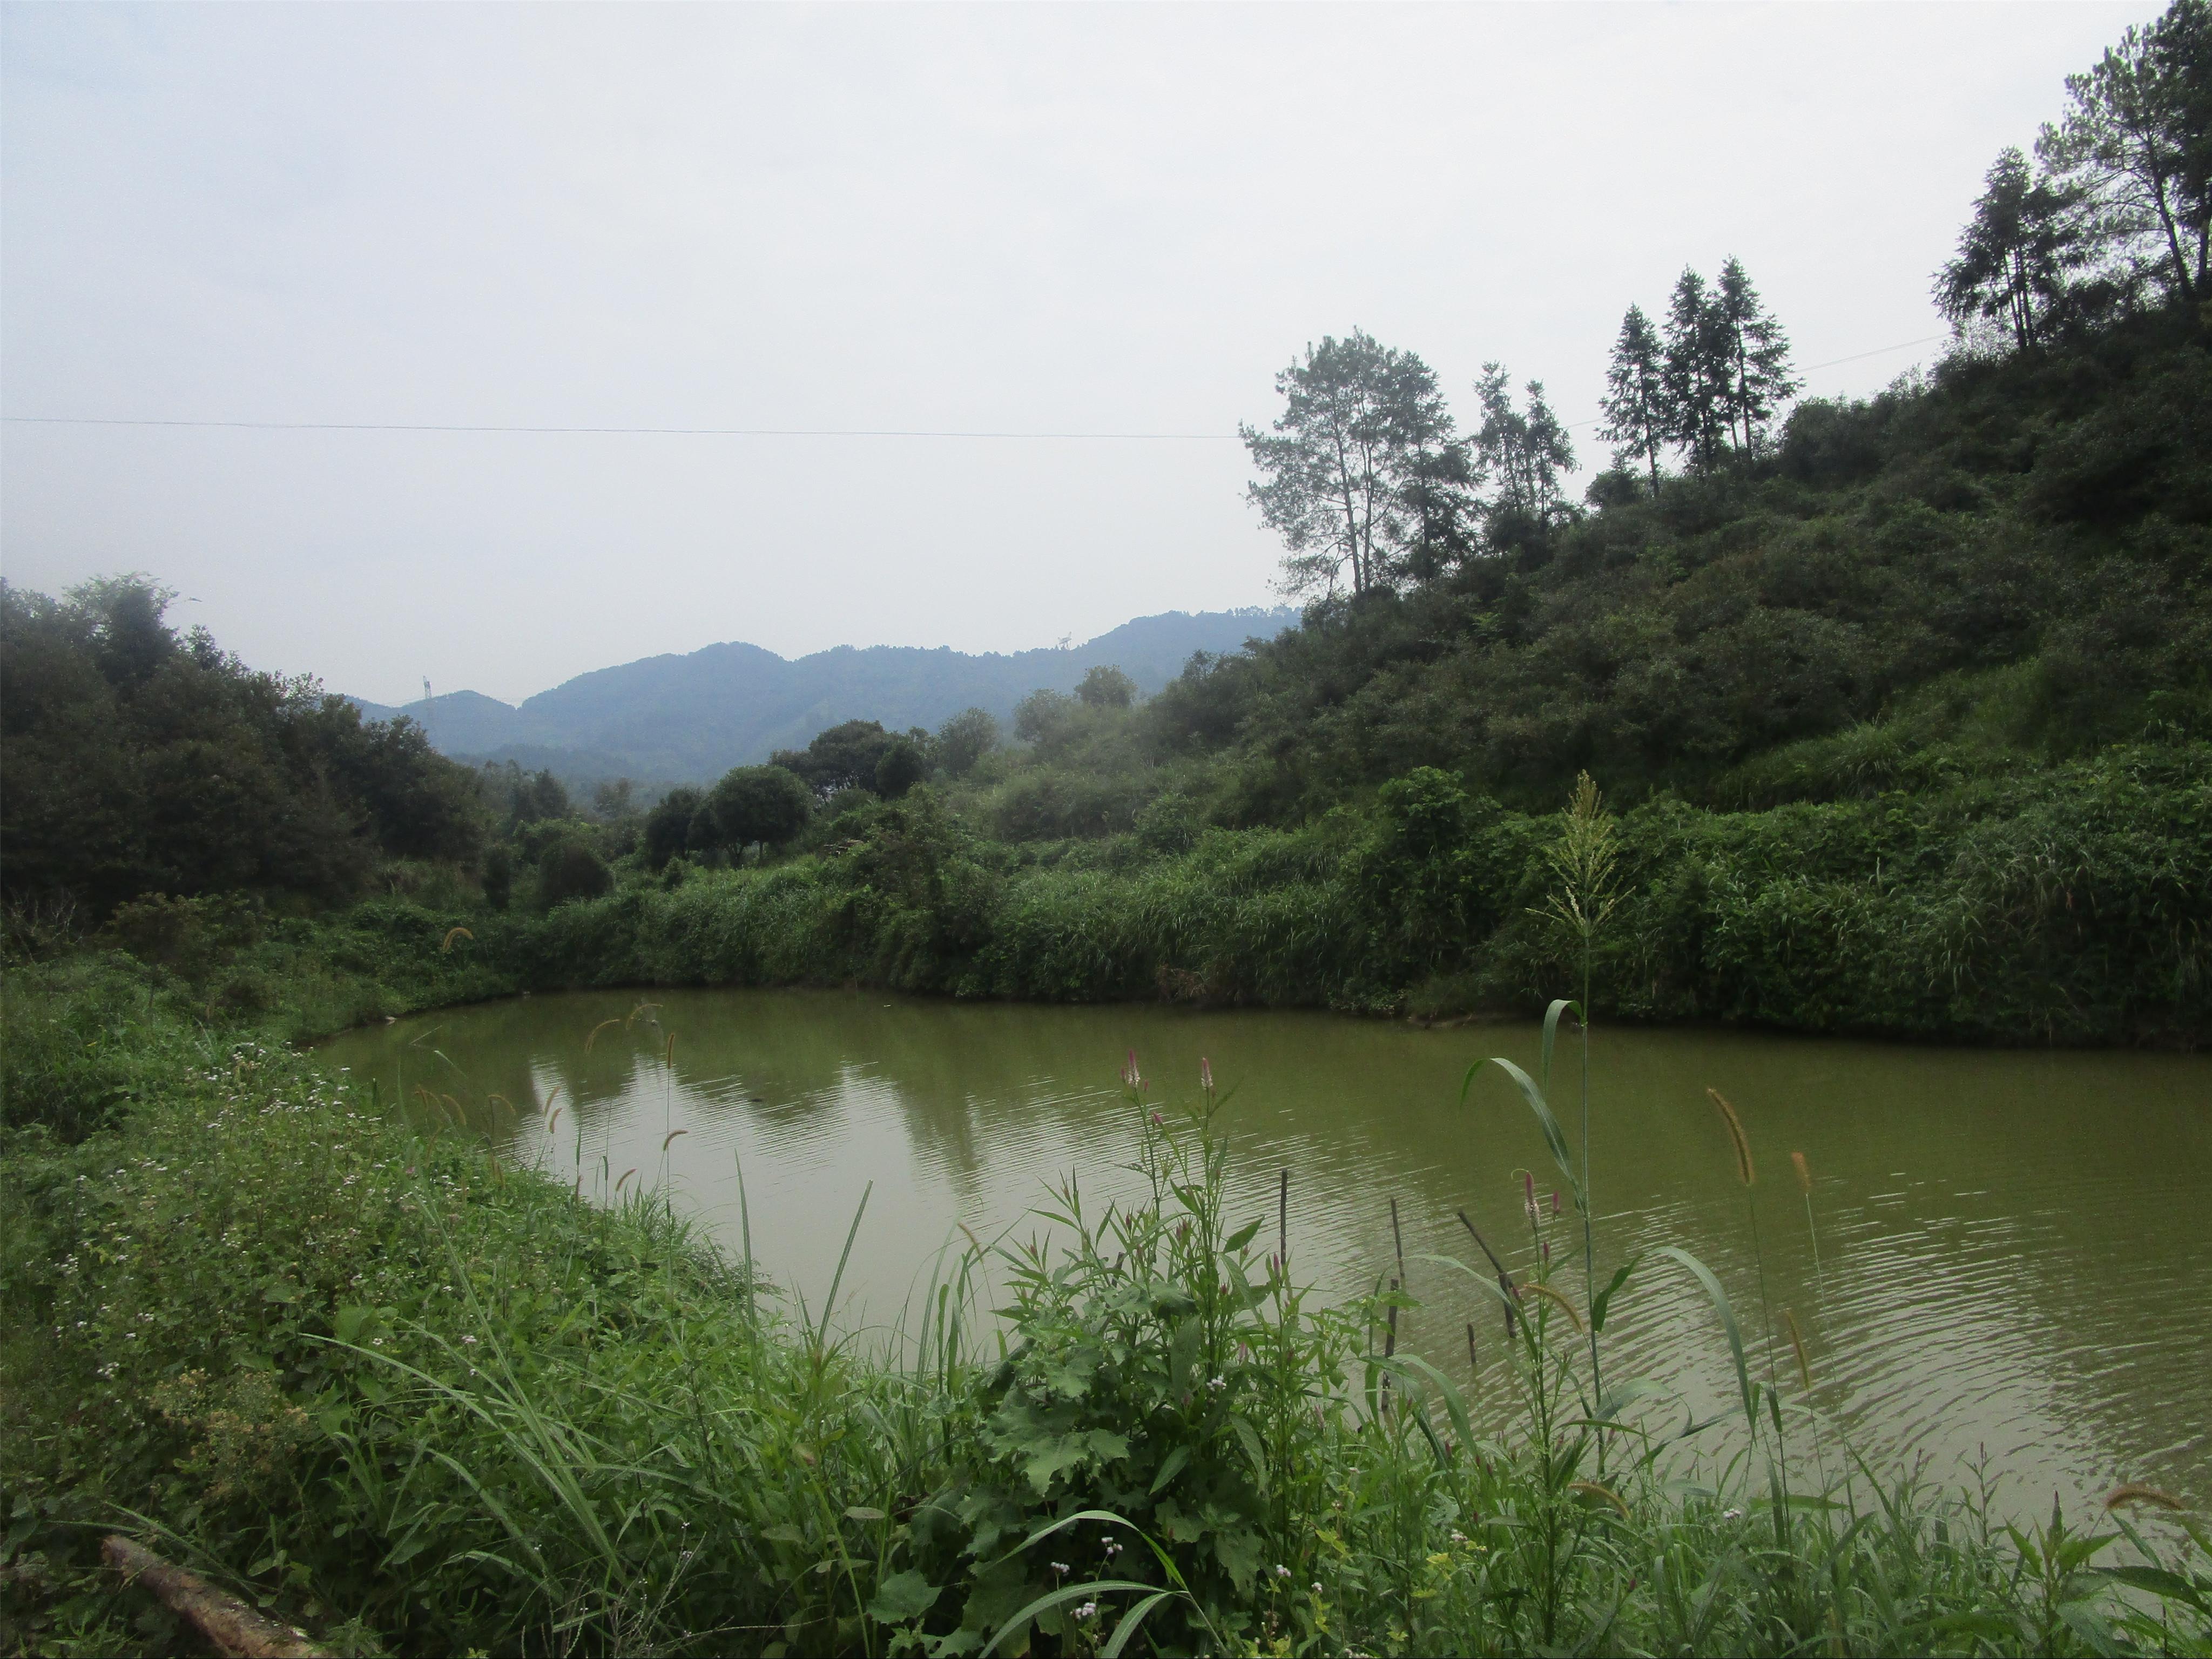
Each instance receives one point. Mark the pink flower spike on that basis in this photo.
(1528, 1194)
(1555, 1200)
(1205, 1074)
(1129, 1072)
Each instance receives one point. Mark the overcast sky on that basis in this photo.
(1029, 219)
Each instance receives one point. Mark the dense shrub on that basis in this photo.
(570, 870)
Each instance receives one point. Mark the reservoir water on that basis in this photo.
(2014, 1248)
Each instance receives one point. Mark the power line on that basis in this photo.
(1878, 351)
(638, 431)
(740, 431)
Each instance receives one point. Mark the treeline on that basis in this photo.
(137, 761)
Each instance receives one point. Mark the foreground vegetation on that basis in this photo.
(416, 1399)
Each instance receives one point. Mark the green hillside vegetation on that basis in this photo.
(1909, 715)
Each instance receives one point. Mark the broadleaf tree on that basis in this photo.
(1359, 474)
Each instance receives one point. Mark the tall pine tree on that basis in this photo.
(1635, 406)
(2015, 254)
(1525, 451)
(1755, 375)
(1694, 370)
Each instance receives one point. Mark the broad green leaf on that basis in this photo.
(902, 1596)
(1170, 1467)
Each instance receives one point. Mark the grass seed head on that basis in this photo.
(2134, 1491)
(1744, 1170)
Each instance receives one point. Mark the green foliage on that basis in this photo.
(570, 870)
(767, 804)
(535, 797)
(1363, 474)
(1162, 1371)
(498, 877)
(80, 1046)
(902, 766)
(1106, 688)
(964, 740)
(137, 763)
(843, 758)
(668, 825)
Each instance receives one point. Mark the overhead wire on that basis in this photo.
(733, 431)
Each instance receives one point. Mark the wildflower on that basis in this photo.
(1089, 1610)
(468, 1341)
(1130, 1075)
(1555, 1200)
(1731, 1515)
(1316, 1587)
(1282, 1571)
(1529, 1197)
(1206, 1074)
(1218, 1383)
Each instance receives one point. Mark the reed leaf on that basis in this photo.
(1554, 1137)
(1720, 1301)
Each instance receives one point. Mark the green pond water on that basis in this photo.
(2014, 1248)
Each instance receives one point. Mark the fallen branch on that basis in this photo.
(234, 1629)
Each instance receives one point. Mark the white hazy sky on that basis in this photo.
(1030, 219)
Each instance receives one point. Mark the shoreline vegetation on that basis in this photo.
(350, 1364)
(1904, 707)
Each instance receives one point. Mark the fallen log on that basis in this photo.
(231, 1627)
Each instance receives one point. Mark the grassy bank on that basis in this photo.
(2072, 906)
(419, 1401)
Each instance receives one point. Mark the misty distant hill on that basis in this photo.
(693, 717)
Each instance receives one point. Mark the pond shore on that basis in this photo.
(413, 1396)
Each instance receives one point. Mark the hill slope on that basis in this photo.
(673, 718)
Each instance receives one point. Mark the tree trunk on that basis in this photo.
(230, 1626)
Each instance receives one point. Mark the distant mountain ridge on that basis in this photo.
(684, 719)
